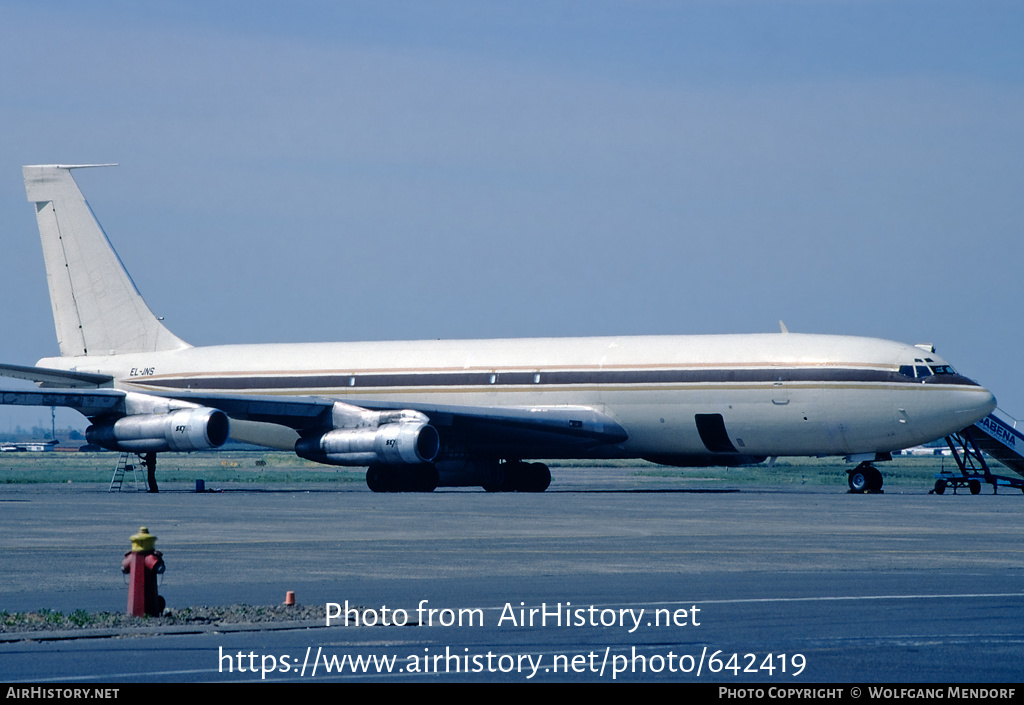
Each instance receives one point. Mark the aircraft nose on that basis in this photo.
(978, 403)
(970, 402)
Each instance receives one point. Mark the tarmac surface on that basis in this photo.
(735, 583)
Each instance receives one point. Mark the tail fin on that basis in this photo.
(96, 308)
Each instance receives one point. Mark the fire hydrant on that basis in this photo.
(143, 564)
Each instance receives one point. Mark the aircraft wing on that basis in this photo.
(503, 429)
(91, 402)
(299, 413)
(480, 428)
(552, 430)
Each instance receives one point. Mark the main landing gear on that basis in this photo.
(865, 479)
(517, 476)
(491, 474)
(149, 460)
(402, 478)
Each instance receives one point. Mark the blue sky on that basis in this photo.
(302, 171)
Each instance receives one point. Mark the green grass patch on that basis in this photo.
(214, 466)
(282, 467)
(51, 620)
(914, 471)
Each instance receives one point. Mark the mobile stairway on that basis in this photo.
(997, 435)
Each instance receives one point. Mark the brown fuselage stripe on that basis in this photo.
(533, 379)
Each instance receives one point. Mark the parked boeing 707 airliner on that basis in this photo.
(423, 414)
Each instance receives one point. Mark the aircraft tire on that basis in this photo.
(402, 478)
(517, 476)
(508, 477)
(858, 481)
(377, 478)
(875, 480)
(535, 477)
(513, 476)
(496, 479)
(865, 478)
(426, 479)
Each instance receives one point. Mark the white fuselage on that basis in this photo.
(777, 394)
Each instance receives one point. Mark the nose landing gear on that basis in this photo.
(865, 479)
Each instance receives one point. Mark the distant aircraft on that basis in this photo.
(27, 446)
(423, 414)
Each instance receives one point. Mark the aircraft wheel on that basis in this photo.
(512, 473)
(377, 478)
(940, 486)
(513, 479)
(865, 478)
(535, 478)
(875, 480)
(974, 486)
(496, 478)
(426, 479)
(858, 480)
(408, 478)
(517, 476)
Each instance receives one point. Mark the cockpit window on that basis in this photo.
(921, 371)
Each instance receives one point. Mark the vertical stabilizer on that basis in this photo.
(96, 308)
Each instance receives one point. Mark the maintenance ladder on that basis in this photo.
(119, 470)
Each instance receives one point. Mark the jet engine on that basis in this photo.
(389, 444)
(200, 428)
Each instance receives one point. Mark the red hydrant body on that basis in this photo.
(143, 564)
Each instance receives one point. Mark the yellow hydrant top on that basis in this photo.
(143, 541)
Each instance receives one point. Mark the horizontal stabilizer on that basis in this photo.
(55, 378)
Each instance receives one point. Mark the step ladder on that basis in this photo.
(119, 470)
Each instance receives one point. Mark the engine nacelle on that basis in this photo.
(182, 430)
(390, 444)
